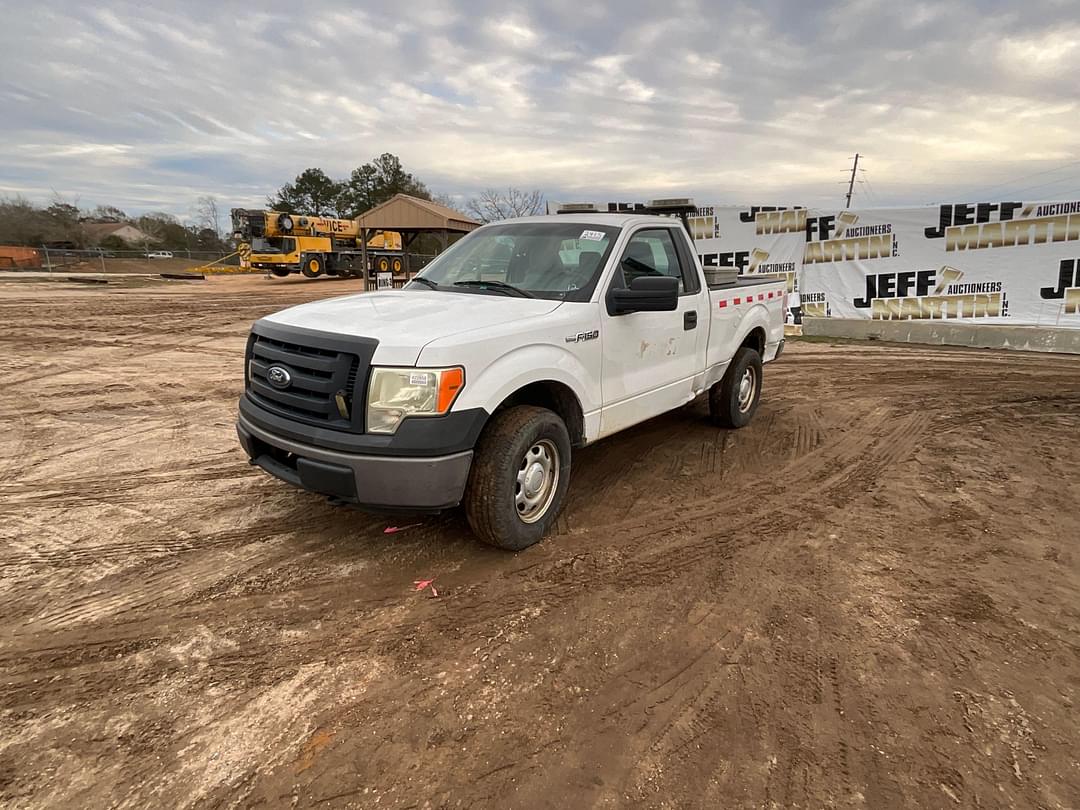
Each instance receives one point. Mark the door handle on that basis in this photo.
(689, 320)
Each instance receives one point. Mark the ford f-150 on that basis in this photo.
(476, 383)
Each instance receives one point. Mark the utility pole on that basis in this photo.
(851, 184)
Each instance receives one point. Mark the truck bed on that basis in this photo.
(737, 307)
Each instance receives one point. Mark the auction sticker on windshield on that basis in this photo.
(592, 236)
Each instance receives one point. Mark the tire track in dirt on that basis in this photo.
(669, 546)
(690, 698)
(190, 471)
(554, 582)
(697, 716)
(162, 567)
(14, 461)
(694, 539)
(692, 527)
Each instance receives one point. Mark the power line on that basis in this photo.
(995, 186)
(870, 187)
(1043, 185)
(861, 193)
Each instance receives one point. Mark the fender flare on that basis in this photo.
(754, 318)
(527, 365)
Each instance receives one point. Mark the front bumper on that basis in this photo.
(404, 483)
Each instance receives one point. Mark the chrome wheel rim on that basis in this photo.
(536, 482)
(747, 390)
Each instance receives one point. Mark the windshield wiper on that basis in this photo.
(426, 281)
(501, 286)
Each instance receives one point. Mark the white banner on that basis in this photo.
(754, 240)
(992, 262)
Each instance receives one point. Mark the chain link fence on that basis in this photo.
(102, 260)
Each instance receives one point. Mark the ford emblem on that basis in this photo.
(278, 377)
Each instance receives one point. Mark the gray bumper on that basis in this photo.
(386, 482)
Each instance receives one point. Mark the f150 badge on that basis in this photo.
(581, 337)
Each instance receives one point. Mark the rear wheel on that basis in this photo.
(312, 266)
(397, 265)
(280, 272)
(519, 477)
(733, 400)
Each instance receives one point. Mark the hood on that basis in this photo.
(405, 321)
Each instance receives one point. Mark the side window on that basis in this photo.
(652, 252)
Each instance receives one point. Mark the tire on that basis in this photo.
(345, 268)
(396, 265)
(383, 264)
(280, 272)
(497, 504)
(312, 265)
(731, 405)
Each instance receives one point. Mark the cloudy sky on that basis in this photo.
(148, 105)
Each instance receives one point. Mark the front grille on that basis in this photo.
(318, 375)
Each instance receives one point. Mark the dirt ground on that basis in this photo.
(868, 598)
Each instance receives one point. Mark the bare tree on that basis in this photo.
(206, 214)
(493, 204)
(444, 199)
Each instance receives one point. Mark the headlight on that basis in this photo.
(394, 393)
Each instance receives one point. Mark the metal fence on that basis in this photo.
(58, 259)
(104, 260)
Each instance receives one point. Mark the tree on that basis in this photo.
(113, 242)
(491, 205)
(66, 225)
(207, 239)
(108, 213)
(312, 192)
(22, 223)
(376, 182)
(206, 215)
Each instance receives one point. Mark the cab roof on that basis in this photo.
(619, 219)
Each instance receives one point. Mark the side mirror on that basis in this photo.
(646, 294)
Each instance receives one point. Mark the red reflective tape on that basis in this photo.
(723, 304)
(738, 300)
(770, 295)
(761, 296)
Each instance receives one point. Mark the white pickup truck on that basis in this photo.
(526, 339)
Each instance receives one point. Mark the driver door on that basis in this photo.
(649, 358)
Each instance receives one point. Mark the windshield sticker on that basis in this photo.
(592, 236)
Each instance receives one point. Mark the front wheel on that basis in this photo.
(519, 477)
(313, 265)
(733, 400)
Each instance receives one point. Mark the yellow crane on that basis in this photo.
(282, 243)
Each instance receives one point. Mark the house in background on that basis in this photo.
(125, 231)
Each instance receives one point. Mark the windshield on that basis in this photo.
(556, 260)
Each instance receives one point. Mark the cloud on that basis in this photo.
(148, 106)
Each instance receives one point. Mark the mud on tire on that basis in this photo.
(519, 477)
(733, 400)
